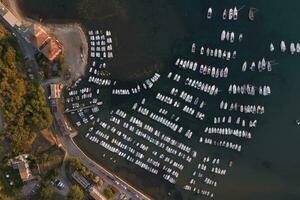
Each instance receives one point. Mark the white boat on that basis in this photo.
(234, 89)
(282, 46)
(252, 12)
(201, 69)
(269, 66)
(225, 14)
(224, 54)
(216, 53)
(292, 48)
(230, 15)
(219, 53)
(221, 73)
(272, 48)
(228, 57)
(209, 13)
(202, 51)
(212, 89)
(207, 51)
(230, 89)
(234, 55)
(235, 13)
(223, 35)
(232, 37)
(193, 48)
(240, 37)
(298, 48)
(226, 72)
(213, 72)
(263, 64)
(217, 73)
(222, 105)
(227, 35)
(252, 68)
(244, 67)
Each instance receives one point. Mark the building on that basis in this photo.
(81, 180)
(95, 193)
(52, 49)
(55, 91)
(20, 163)
(39, 37)
(48, 46)
(9, 17)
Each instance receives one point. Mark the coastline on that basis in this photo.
(71, 35)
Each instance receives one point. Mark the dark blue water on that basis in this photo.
(268, 167)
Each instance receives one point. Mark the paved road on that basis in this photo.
(73, 150)
(70, 147)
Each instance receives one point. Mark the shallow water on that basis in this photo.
(268, 167)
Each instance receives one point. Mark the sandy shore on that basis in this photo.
(72, 36)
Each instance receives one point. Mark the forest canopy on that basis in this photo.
(22, 101)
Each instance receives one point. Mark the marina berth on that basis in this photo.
(248, 109)
(228, 132)
(160, 122)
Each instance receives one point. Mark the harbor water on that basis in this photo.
(152, 34)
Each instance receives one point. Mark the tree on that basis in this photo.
(47, 192)
(75, 193)
(108, 193)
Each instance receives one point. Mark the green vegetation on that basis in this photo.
(109, 193)
(48, 193)
(23, 102)
(75, 164)
(51, 69)
(75, 193)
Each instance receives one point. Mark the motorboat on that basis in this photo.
(240, 37)
(232, 37)
(223, 35)
(252, 12)
(252, 68)
(292, 48)
(202, 51)
(209, 13)
(298, 48)
(269, 66)
(272, 48)
(225, 14)
(282, 46)
(226, 72)
(235, 13)
(193, 48)
(230, 14)
(244, 67)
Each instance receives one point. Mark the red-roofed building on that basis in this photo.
(52, 49)
(39, 37)
(47, 45)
